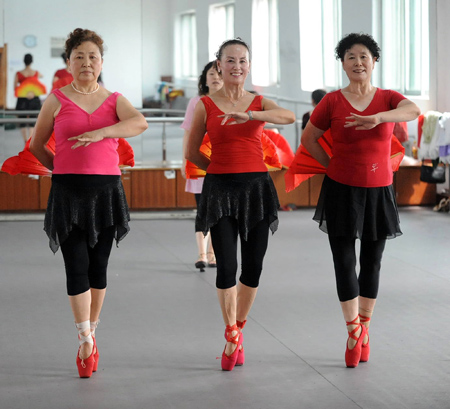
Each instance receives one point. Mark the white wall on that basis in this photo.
(118, 24)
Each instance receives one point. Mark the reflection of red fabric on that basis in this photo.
(304, 165)
(420, 122)
(284, 150)
(270, 156)
(401, 131)
(26, 163)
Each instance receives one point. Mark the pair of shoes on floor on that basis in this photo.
(229, 361)
(241, 355)
(353, 356)
(211, 259)
(442, 206)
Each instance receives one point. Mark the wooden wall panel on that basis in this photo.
(299, 196)
(185, 199)
(410, 191)
(126, 182)
(151, 189)
(18, 192)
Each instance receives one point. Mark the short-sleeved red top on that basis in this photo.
(360, 157)
(234, 148)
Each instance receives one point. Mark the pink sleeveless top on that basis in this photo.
(99, 158)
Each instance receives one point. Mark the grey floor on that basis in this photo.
(161, 328)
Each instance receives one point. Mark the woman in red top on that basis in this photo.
(357, 199)
(87, 207)
(31, 102)
(238, 196)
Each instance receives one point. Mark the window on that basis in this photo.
(221, 26)
(265, 42)
(320, 31)
(186, 46)
(404, 46)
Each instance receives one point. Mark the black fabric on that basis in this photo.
(224, 236)
(357, 212)
(86, 266)
(247, 197)
(348, 285)
(91, 202)
(25, 104)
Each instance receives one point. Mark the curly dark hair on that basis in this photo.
(351, 39)
(79, 36)
(236, 40)
(203, 88)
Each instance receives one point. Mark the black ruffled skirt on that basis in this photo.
(248, 197)
(357, 212)
(90, 202)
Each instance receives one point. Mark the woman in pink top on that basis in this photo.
(357, 199)
(209, 82)
(87, 208)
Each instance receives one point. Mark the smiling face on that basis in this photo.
(213, 80)
(358, 63)
(86, 62)
(234, 64)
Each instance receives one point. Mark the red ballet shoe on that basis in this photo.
(96, 356)
(365, 348)
(229, 361)
(241, 356)
(85, 366)
(353, 356)
(93, 326)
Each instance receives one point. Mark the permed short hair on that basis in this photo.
(236, 40)
(351, 39)
(79, 36)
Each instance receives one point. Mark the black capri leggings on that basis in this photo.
(344, 257)
(86, 266)
(224, 239)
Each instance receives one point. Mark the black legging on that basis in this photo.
(344, 257)
(224, 239)
(86, 266)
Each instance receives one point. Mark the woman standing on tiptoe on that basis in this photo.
(87, 208)
(357, 199)
(238, 197)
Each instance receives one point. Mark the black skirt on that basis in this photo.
(90, 202)
(357, 212)
(248, 197)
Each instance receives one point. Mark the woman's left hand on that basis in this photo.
(86, 139)
(362, 122)
(239, 118)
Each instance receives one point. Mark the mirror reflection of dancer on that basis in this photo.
(209, 82)
(238, 197)
(357, 199)
(31, 102)
(87, 208)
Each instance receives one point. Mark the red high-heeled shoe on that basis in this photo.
(85, 366)
(229, 361)
(353, 356)
(365, 348)
(241, 356)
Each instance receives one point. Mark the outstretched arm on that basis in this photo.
(406, 111)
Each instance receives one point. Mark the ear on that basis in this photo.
(219, 68)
